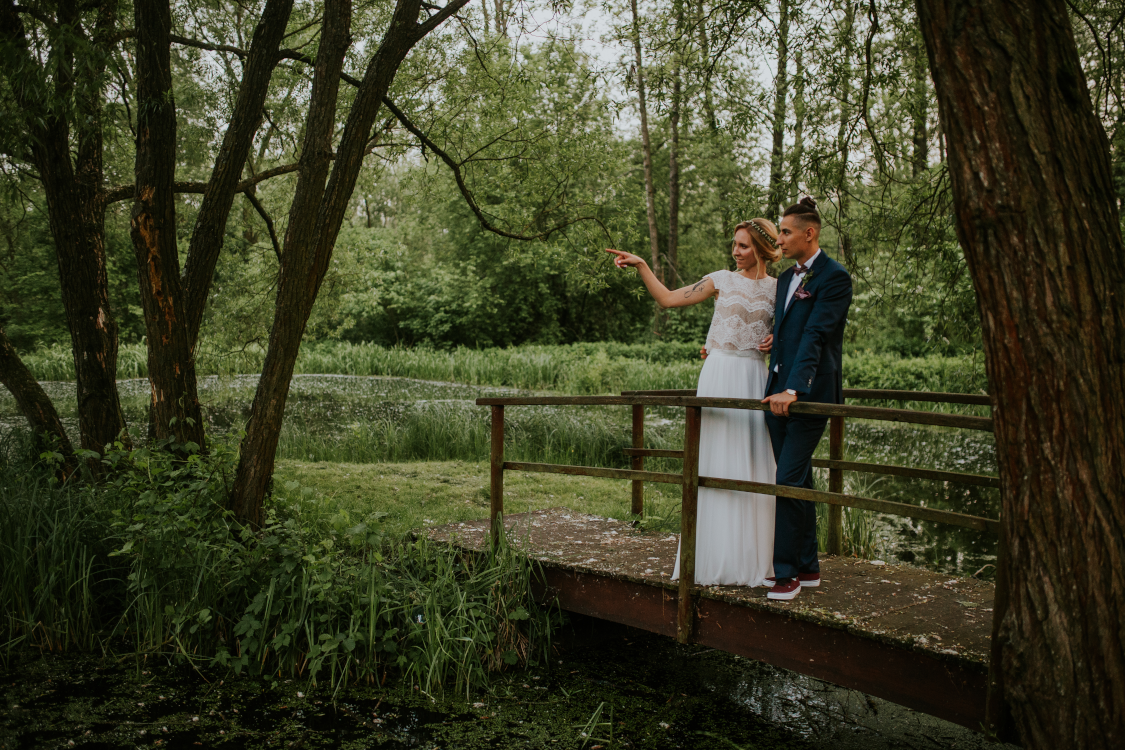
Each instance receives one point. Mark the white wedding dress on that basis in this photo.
(734, 530)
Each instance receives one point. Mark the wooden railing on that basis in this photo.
(690, 481)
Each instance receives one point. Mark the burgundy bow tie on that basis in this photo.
(799, 270)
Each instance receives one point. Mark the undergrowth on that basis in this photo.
(152, 557)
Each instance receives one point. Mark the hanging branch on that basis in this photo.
(455, 167)
(266, 218)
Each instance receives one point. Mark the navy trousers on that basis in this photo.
(794, 537)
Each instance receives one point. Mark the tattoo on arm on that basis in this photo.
(695, 288)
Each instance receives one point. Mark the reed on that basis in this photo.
(580, 369)
(151, 557)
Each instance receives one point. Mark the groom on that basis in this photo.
(808, 338)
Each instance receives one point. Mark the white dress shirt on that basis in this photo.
(796, 280)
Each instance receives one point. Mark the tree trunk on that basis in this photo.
(777, 190)
(218, 196)
(35, 405)
(1033, 194)
(646, 149)
(847, 33)
(75, 204)
(919, 110)
(315, 217)
(674, 145)
(175, 412)
(797, 155)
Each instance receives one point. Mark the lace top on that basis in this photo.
(743, 311)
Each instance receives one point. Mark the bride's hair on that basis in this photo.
(764, 236)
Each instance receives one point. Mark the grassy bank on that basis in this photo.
(324, 592)
(576, 368)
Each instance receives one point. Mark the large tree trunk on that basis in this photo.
(777, 187)
(315, 217)
(646, 149)
(34, 404)
(175, 412)
(75, 202)
(1036, 216)
(218, 196)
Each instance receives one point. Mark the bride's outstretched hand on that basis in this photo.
(625, 260)
(766, 345)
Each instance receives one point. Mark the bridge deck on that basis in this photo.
(911, 636)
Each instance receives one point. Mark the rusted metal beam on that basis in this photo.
(638, 462)
(595, 471)
(853, 501)
(496, 471)
(953, 689)
(652, 452)
(685, 612)
(981, 480)
(835, 541)
(822, 410)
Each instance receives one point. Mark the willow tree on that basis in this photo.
(1038, 220)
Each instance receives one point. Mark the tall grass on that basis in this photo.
(574, 368)
(443, 431)
(151, 557)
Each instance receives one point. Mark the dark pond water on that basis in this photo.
(653, 692)
(328, 410)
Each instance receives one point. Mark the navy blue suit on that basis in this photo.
(808, 342)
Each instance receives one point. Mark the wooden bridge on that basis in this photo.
(913, 637)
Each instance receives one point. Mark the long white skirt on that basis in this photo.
(734, 530)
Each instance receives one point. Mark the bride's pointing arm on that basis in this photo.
(682, 297)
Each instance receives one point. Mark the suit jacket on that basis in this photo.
(808, 338)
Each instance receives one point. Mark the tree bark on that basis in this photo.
(797, 155)
(315, 217)
(847, 33)
(777, 189)
(34, 403)
(646, 149)
(1036, 216)
(218, 196)
(674, 144)
(75, 201)
(175, 412)
(919, 111)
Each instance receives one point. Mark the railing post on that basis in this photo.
(638, 463)
(835, 545)
(686, 610)
(496, 466)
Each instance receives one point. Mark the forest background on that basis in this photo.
(748, 106)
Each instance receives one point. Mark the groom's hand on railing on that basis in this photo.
(779, 403)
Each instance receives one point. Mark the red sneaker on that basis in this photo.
(785, 589)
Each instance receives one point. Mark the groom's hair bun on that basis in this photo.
(805, 212)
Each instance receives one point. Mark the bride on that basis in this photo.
(734, 530)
